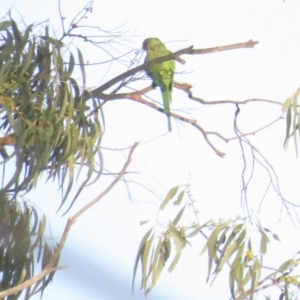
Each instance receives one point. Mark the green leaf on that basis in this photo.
(156, 264)
(171, 194)
(179, 215)
(53, 41)
(82, 68)
(287, 103)
(139, 254)
(227, 255)
(287, 265)
(194, 232)
(255, 270)
(178, 235)
(144, 261)
(167, 247)
(233, 276)
(178, 254)
(241, 237)
(144, 222)
(264, 239)
(225, 247)
(16, 33)
(294, 107)
(211, 246)
(71, 64)
(4, 25)
(179, 198)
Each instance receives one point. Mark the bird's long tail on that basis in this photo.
(167, 97)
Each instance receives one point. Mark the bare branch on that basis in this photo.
(114, 182)
(8, 140)
(137, 96)
(30, 282)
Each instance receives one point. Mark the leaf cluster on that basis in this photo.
(43, 108)
(233, 244)
(22, 245)
(291, 109)
(155, 248)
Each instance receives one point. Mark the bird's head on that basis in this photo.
(151, 44)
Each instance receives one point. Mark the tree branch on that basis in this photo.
(98, 92)
(52, 264)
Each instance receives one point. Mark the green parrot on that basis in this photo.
(162, 74)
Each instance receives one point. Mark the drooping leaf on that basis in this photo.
(18, 244)
(287, 265)
(156, 265)
(46, 114)
(82, 68)
(230, 242)
(264, 239)
(178, 216)
(139, 254)
(211, 246)
(177, 256)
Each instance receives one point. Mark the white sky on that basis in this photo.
(102, 245)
